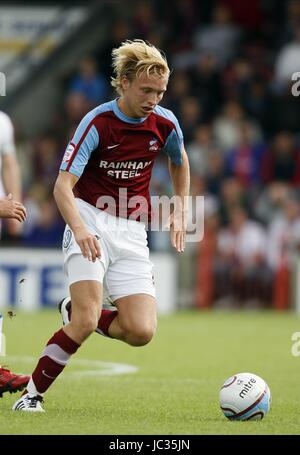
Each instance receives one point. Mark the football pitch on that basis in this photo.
(170, 386)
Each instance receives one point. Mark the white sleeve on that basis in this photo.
(7, 143)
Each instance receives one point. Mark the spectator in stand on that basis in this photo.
(226, 127)
(46, 159)
(283, 112)
(184, 16)
(246, 82)
(270, 201)
(198, 150)
(119, 32)
(49, 227)
(288, 61)
(202, 214)
(90, 83)
(206, 84)
(237, 79)
(257, 102)
(284, 234)
(245, 14)
(243, 162)
(75, 106)
(232, 195)
(179, 88)
(143, 18)
(292, 22)
(36, 194)
(220, 38)
(241, 260)
(215, 174)
(190, 115)
(282, 161)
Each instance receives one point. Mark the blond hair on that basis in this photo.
(133, 58)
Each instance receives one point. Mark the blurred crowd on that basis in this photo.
(230, 89)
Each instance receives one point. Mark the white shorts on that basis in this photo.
(124, 267)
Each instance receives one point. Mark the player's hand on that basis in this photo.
(177, 224)
(88, 243)
(12, 209)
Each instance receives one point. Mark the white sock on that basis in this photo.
(31, 389)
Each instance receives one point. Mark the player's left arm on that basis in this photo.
(11, 177)
(180, 174)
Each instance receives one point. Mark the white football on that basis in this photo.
(245, 396)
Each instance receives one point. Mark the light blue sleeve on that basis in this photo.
(174, 142)
(80, 148)
(173, 148)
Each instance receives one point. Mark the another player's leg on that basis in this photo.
(10, 382)
(86, 307)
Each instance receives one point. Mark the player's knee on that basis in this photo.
(141, 336)
(85, 323)
(89, 324)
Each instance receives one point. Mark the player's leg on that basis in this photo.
(108, 314)
(136, 320)
(132, 321)
(86, 299)
(129, 273)
(130, 285)
(10, 382)
(86, 304)
(86, 295)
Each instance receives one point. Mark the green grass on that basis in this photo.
(175, 390)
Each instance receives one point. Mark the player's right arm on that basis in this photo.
(76, 157)
(64, 197)
(11, 176)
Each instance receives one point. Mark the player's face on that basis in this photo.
(142, 94)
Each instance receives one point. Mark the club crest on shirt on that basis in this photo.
(153, 146)
(68, 153)
(67, 238)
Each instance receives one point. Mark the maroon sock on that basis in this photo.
(53, 360)
(106, 318)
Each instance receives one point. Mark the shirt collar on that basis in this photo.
(124, 117)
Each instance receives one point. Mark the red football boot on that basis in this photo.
(10, 382)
